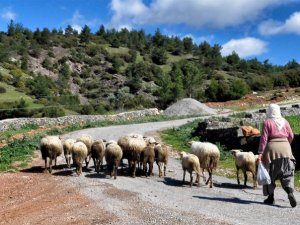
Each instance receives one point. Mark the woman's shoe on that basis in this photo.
(270, 200)
(292, 199)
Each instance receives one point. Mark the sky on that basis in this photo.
(262, 29)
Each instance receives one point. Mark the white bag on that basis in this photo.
(263, 176)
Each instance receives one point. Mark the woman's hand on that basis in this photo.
(259, 157)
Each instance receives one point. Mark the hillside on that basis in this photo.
(59, 72)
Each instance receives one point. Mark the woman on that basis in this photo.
(276, 153)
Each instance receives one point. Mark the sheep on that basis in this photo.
(246, 161)
(97, 152)
(190, 162)
(88, 141)
(132, 148)
(208, 155)
(148, 157)
(113, 156)
(79, 154)
(51, 147)
(161, 158)
(67, 146)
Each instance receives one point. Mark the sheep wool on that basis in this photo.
(79, 154)
(190, 162)
(67, 145)
(246, 161)
(51, 147)
(161, 158)
(208, 154)
(97, 152)
(113, 156)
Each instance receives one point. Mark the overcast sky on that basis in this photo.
(265, 29)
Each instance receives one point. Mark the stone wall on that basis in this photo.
(69, 120)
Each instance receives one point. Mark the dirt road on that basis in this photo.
(32, 197)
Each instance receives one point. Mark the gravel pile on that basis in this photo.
(189, 106)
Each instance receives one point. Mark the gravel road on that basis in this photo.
(165, 200)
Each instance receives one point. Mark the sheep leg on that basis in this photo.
(101, 165)
(246, 178)
(165, 168)
(151, 169)
(95, 164)
(159, 168)
(209, 178)
(114, 171)
(46, 169)
(50, 165)
(191, 179)
(134, 168)
(198, 179)
(145, 168)
(204, 178)
(254, 180)
(183, 176)
(237, 175)
(68, 160)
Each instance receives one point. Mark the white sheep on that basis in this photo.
(190, 162)
(51, 147)
(161, 158)
(88, 141)
(97, 152)
(208, 155)
(132, 148)
(79, 154)
(113, 156)
(67, 145)
(246, 161)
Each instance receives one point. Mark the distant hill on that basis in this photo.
(62, 72)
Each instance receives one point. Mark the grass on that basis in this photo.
(12, 95)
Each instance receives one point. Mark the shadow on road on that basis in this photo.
(34, 169)
(172, 182)
(231, 186)
(235, 200)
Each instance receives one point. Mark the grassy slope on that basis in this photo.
(13, 95)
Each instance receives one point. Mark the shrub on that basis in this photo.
(2, 90)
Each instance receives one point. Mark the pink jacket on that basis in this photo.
(270, 131)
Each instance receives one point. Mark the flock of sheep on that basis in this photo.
(141, 152)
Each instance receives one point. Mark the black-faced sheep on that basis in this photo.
(67, 145)
(190, 162)
(97, 152)
(113, 156)
(161, 158)
(88, 141)
(51, 147)
(132, 148)
(208, 155)
(148, 158)
(79, 154)
(246, 161)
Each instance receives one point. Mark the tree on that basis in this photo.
(85, 35)
(159, 56)
(69, 31)
(177, 83)
(101, 32)
(192, 78)
(188, 44)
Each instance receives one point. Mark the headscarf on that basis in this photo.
(274, 113)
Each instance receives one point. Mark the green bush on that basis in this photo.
(2, 89)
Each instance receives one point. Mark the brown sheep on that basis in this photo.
(97, 152)
(113, 156)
